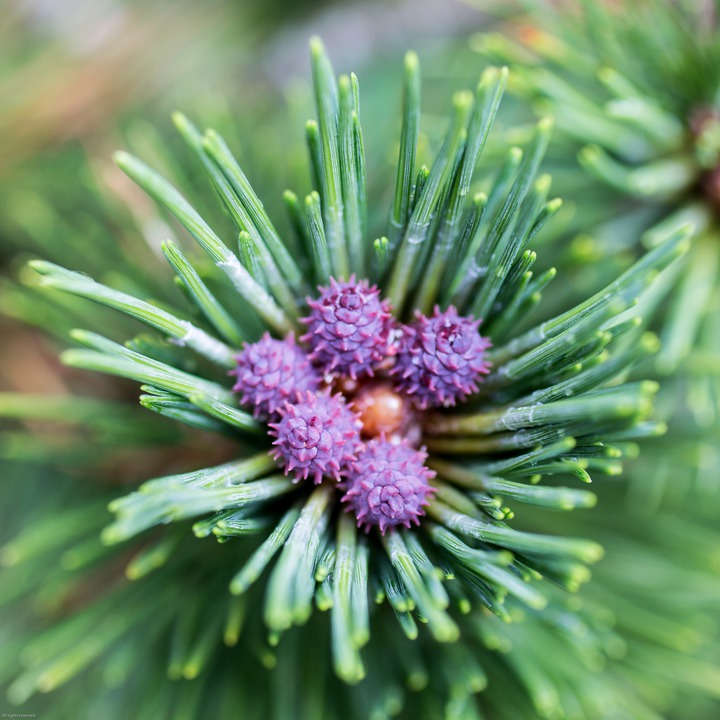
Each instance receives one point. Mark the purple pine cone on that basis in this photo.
(270, 371)
(318, 435)
(349, 328)
(441, 358)
(389, 486)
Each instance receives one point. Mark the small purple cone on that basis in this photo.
(389, 486)
(270, 371)
(441, 358)
(349, 328)
(318, 436)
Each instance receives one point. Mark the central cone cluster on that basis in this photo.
(388, 369)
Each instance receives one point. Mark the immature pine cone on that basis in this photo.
(316, 435)
(349, 328)
(389, 486)
(441, 358)
(270, 371)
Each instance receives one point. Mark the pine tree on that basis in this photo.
(557, 401)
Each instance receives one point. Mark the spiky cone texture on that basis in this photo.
(348, 328)
(270, 372)
(389, 485)
(317, 436)
(554, 404)
(441, 358)
(640, 111)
